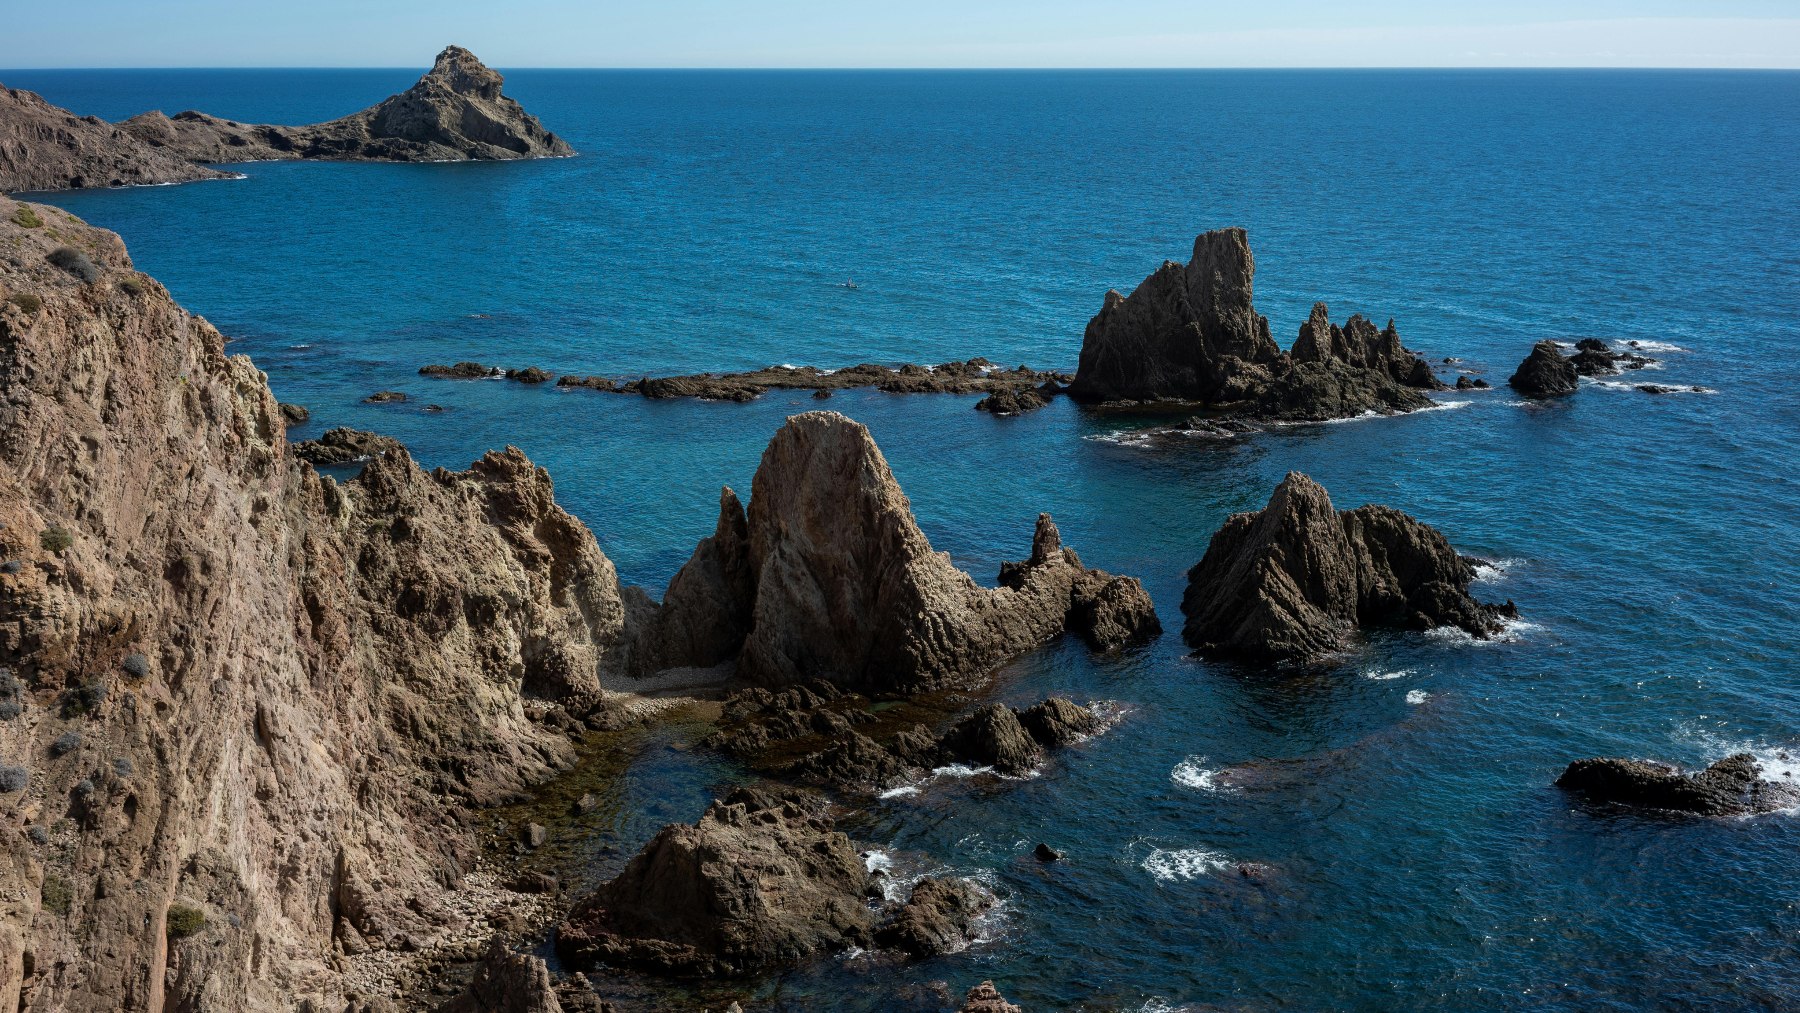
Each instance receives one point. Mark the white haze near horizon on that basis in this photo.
(919, 34)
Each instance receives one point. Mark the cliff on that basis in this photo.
(242, 699)
(456, 112)
(1190, 335)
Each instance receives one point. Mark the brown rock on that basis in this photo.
(756, 883)
(984, 998)
(837, 581)
(507, 982)
(1190, 335)
(993, 737)
(332, 669)
(938, 918)
(1731, 787)
(1545, 373)
(1297, 579)
(455, 112)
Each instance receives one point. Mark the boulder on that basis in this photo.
(993, 737)
(1298, 578)
(343, 445)
(1731, 787)
(937, 918)
(757, 883)
(1545, 373)
(506, 982)
(985, 998)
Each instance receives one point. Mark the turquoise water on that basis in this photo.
(1416, 854)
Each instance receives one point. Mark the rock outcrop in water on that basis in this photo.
(1546, 372)
(456, 112)
(817, 734)
(1594, 357)
(1013, 387)
(280, 685)
(1298, 579)
(1733, 786)
(1190, 335)
(828, 576)
(985, 998)
(759, 882)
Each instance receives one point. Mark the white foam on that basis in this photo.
(299, 347)
(1183, 864)
(877, 860)
(1126, 437)
(1780, 764)
(1385, 676)
(1652, 346)
(900, 792)
(954, 770)
(1193, 773)
(1512, 631)
(1494, 570)
(1633, 386)
(1159, 1006)
(1417, 697)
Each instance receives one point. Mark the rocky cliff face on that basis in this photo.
(828, 576)
(456, 112)
(1297, 579)
(1190, 334)
(242, 697)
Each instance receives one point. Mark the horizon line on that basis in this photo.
(698, 68)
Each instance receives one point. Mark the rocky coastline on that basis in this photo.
(456, 112)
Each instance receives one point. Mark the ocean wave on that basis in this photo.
(1641, 345)
(955, 771)
(1488, 571)
(1135, 438)
(1180, 864)
(1417, 696)
(1385, 676)
(1512, 631)
(1193, 773)
(1780, 764)
(1158, 1006)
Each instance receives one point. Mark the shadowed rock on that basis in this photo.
(1298, 579)
(1009, 390)
(1545, 373)
(1190, 335)
(506, 982)
(343, 445)
(938, 918)
(1733, 786)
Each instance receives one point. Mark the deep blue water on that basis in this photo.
(1420, 858)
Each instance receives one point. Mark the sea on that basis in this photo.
(1376, 833)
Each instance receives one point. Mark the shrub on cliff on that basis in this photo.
(136, 665)
(83, 699)
(184, 920)
(26, 218)
(26, 301)
(65, 744)
(13, 779)
(75, 262)
(57, 894)
(56, 539)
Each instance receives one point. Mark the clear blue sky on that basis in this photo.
(910, 33)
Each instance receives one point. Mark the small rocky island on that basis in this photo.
(1733, 786)
(1298, 579)
(1190, 338)
(456, 112)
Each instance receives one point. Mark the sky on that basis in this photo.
(913, 33)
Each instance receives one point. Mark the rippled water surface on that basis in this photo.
(1394, 814)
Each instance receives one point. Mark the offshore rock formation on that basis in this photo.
(1545, 372)
(820, 735)
(1191, 335)
(43, 147)
(758, 882)
(1733, 786)
(1298, 579)
(828, 576)
(975, 376)
(1594, 357)
(279, 685)
(455, 112)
